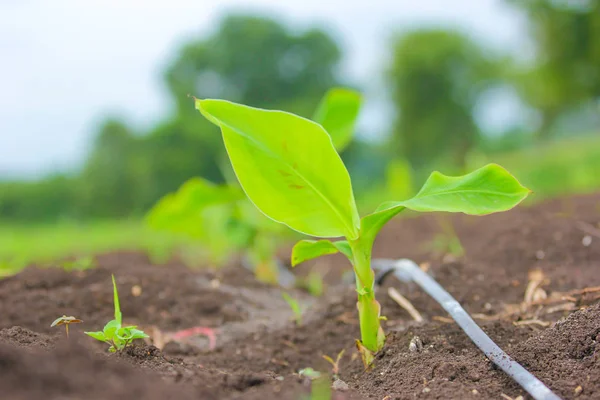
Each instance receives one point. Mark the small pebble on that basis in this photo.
(426, 390)
(340, 385)
(587, 240)
(279, 378)
(136, 290)
(540, 254)
(474, 391)
(215, 283)
(578, 390)
(415, 345)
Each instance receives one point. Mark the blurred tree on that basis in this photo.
(251, 60)
(248, 59)
(256, 61)
(115, 175)
(566, 71)
(46, 200)
(436, 77)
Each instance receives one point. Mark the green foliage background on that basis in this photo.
(436, 80)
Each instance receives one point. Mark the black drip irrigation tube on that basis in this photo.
(407, 271)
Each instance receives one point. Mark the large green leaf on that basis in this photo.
(306, 250)
(288, 167)
(484, 191)
(487, 190)
(337, 113)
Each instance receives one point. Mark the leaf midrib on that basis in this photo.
(276, 156)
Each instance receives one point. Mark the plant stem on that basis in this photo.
(372, 335)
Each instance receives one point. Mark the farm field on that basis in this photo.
(246, 344)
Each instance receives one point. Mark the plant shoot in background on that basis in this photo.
(64, 320)
(295, 306)
(114, 333)
(289, 168)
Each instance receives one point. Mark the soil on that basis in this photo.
(528, 277)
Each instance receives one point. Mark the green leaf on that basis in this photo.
(138, 334)
(178, 211)
(123, 334)
(97, 335)
(309, 373)
(306, 250)
(111, 328)
(337, 113)
(288, 167)
(198, 193)
(294, 305)
(129, 333)
(486, 190)
(118, 315)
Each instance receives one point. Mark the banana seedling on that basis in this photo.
(290, 170)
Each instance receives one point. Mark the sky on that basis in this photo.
(66, 64)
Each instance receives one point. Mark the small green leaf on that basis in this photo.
(118, 315)
(306, 250)
(309, 373)
(288, 167)
(138, 334)
(111, 328)
(294, 305)
(97, 335)
(123, 334)
(129, 333)
(337, 113)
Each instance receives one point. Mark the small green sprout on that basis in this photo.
(289, 168)
(335, 365)
(113, 333)
(64, 320)
(309, 373)
(320, 384)
(321, 389)
(295, 306)
(79, 264)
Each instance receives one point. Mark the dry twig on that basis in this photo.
(405, 304)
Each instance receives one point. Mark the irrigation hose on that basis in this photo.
(407, 271)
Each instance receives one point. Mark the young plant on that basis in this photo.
(114, 333)
(201, 211)
(288, 167)
(295, 306)
(335, 365)
(64, 320)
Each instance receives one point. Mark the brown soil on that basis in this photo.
(259, 350)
